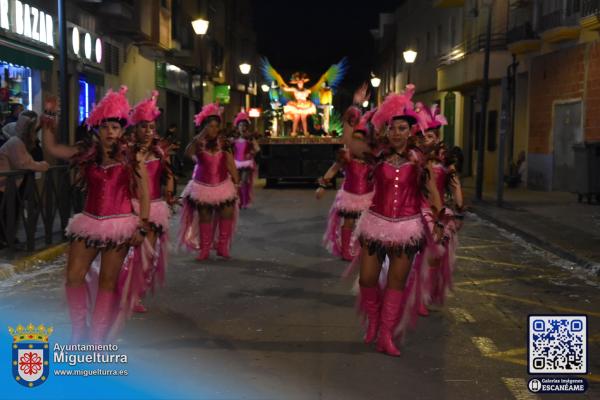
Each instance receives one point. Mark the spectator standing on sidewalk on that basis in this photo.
(15, 154)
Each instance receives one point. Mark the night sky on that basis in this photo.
(315, 34)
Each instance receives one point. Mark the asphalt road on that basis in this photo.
(277, 322)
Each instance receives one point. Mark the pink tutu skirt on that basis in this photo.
(102, 232)
(346, 204)
(221, 194)
(246, 164)
(159, 213)
(390, 235)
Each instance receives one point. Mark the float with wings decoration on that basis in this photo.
(299, 101)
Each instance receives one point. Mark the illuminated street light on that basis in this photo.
(264, 87)
(375, 82)
(200, 26)
(245, 68)
(365, 103)
(409, 56)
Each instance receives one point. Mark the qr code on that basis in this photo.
(557, 344)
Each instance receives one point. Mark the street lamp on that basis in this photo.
(409, 57)
(200, 26)
(245, 68)
(265, 88)
(375, 82)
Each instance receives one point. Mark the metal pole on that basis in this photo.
(408, 75)
(64, 77)
(484, 101)
(504, 124)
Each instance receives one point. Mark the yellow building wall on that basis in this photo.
(137, 73)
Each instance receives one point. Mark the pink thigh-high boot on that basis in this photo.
(77, 301)
(393, 302)
(370, 304)
(346, 237)
(225, 234)
(103, 317)
(206, 236)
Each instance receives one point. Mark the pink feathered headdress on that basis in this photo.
(242, 116)
(396, 106)
(209, 110)
(114, 106)
(362, 125)
(429, 118)
(145, 110)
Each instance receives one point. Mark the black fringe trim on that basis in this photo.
(381, 249)
(349, 214)
(213, 207)
(98, 244)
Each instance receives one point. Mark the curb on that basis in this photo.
(45, 255)
(558, 251)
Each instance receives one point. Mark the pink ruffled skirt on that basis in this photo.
(345, 203)
(159, 213)
(102, 232)
(245, 164)
(390, 232)
(201, 194)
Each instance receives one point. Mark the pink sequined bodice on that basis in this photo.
(441, 178)
(356, 177)
(212, 167)
(241, 149)
(397, 190)
(108, 191)
(155, 170)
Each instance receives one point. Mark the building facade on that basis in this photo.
(552, 47)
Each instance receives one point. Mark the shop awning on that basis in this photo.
(25, 56)
(93, 76)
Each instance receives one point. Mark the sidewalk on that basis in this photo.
(554, 221)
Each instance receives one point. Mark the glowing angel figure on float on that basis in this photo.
(300, 100)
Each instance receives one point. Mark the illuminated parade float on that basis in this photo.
(285, 154)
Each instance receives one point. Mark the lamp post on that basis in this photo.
(375, 82)
(484, 103)
(200, 27)
(245, 69)
(64, 77)
(409, 57)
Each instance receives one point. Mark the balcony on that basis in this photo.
(448, 3)
(590, 15)
(522, 39)
(462, 67)
(557, 27)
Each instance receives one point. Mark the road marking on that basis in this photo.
(501, 280)
(461, 315)
(532, 302)
(486, 346)
(484, 246)
(486, 261)
(518, 388)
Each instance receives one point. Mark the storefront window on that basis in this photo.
(15, 87)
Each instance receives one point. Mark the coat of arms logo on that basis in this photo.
(30, 354)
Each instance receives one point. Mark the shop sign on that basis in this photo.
(222, 94)
(25, 20)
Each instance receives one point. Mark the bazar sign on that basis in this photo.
(28, 21)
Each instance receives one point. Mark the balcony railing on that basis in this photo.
(556, 19)
(590, 7)
(498, 42)
(521, 32)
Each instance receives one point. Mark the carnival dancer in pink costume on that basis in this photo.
(212, 192)
(154, 248)
(108, 226)
(441, 257)
(245, 148)
(394, 226)
(356, 192)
